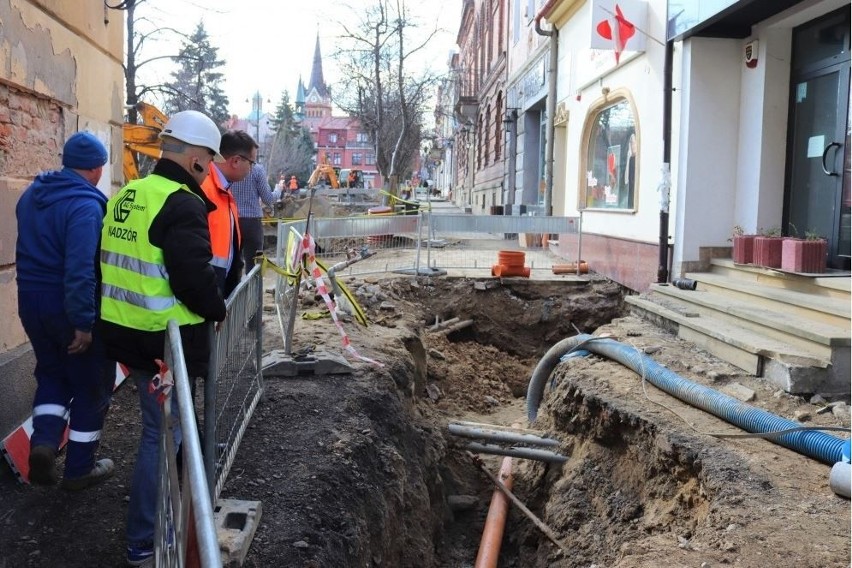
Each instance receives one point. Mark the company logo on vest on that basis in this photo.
(124, 205)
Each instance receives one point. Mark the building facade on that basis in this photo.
(61, 73)
(480, 74)
(662, 124)
(723, 98)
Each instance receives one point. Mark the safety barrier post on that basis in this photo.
(187, 508)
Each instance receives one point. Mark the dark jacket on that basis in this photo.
(59, 227)
(181, 230)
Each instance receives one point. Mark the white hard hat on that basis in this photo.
(194, 128)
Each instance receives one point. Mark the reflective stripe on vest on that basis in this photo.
(135, 290)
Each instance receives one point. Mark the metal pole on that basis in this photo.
(527, 453)
(500, 436)
(662, 267)
(208, 545)
(209, 456)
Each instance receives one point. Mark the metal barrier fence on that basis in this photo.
(234, 382)
(184, 529)
(422, 243)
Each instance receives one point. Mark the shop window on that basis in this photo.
(611, 158)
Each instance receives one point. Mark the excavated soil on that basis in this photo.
(357, 469)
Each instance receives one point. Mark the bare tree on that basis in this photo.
(141, 34)
(381, 89)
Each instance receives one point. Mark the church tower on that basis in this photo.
(318, 99)
(299, 112)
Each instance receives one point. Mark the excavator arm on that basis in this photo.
(324, 172)
(142, 138)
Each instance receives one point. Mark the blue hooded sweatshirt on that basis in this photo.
(60, 217)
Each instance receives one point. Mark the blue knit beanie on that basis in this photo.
(83, 151)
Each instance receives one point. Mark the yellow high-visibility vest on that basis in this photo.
(135, 291)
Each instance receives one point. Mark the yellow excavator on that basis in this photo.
(142, 138)
(324, 174)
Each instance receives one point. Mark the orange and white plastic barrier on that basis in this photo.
(16, 446)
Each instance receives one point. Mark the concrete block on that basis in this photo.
(739, 392)
(279, 364)
(236, 522)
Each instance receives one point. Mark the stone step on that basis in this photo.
(821, 308)
(792, 368)
(834, 284)
(815, 337)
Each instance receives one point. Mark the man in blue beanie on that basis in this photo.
(60, 217)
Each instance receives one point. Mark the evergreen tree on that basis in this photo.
(283, 114)
(197, 81)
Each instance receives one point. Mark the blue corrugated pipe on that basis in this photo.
(812, 443)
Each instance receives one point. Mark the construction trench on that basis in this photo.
(361, 469)
(366, 470)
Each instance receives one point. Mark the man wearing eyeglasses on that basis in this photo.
(239, 152)
(249, 193)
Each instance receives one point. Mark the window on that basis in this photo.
(611, 158)
(361, 137)
(332, 138)
(371, 159)
(336, 159)
(357, 158)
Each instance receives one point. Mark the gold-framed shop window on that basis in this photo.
(610, 155)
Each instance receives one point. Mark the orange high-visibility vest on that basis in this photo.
(224, 221)
(294, 184)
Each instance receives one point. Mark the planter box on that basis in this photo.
(767, 251)
(798, 255)
(743, 249)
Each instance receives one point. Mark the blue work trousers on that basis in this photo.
(142, 510)
(72, 390)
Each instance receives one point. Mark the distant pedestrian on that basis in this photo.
(59, 226)
(294, 185)
(249, 193)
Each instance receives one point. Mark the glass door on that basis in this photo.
(817, 193)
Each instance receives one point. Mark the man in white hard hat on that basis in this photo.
(156, 266)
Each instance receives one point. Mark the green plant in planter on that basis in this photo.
(767, 248)
(737, 231)
(812, 235)
(742, 251)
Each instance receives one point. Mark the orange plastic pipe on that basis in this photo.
(501, 270)
(495, 522)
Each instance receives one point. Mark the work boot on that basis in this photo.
(43, 466)
(101, 472)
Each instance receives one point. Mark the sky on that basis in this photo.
(268, 44)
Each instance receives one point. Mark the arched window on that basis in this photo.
(479, 142)
(486, 133)
(498, 121)
(611, 157)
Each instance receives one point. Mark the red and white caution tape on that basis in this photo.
(308, 247)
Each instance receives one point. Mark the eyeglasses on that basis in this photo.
(249, 160)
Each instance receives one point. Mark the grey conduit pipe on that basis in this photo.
(500, 436)
(812, 443)
(526, 453)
